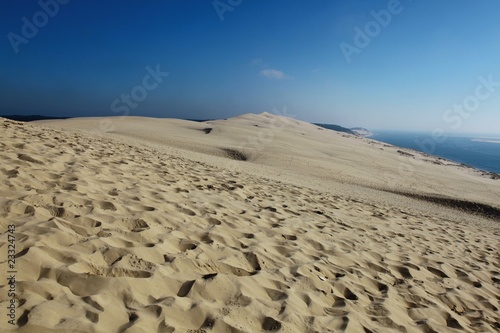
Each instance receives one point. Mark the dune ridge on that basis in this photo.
(167, 228)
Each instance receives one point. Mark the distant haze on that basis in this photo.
(408, 65)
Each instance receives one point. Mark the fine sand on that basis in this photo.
(256, 223)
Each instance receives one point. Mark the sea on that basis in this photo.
(473, 151)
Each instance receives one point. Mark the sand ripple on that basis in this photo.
(122, 238)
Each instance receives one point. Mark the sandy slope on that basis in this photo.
(155, 227)
(294, 150)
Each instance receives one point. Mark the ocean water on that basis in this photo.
(463, 149)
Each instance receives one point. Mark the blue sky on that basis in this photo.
(421, 70)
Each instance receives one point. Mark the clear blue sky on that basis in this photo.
(263, 55)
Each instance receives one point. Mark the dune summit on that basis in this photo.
(257, 223)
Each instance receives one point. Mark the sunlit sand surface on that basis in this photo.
(253, 224)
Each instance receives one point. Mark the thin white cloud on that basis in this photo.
(257, 61)
(273, 74)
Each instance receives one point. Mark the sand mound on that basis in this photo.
(115, 234)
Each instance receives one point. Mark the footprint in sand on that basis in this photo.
(270, 324)
(185, 288)
(106, 205)
(28, 158)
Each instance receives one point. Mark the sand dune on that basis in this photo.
(252, 224)
(297, 151)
